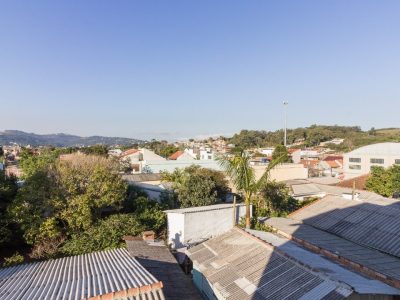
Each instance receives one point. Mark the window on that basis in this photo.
(355, 167)
(397, 161)
(377, 161)
(355, 160)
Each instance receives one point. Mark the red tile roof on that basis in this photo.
(176, 155)
(129, 152)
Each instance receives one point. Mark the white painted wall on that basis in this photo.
(176, 230)
(189, 227)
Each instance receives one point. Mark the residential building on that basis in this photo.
(188, 226)
(115, 152)
(360, 161)
(266, 151)
(206, 154)
(181, 155)
(336, 141)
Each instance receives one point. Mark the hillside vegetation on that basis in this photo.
(353, 136)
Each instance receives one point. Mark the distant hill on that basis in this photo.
(60, 139)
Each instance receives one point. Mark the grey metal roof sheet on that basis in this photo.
(382, 263)
(239, 266)
(372, 223)
(79, 277)
(328, 268)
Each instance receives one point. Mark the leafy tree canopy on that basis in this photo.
(196, 186)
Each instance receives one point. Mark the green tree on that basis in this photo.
(100, 150)
(8, 191)
(105, 234)
(281, 153)
(237, 167)
(380, 181)
(196, 186)
(65, 198)
(276, 199)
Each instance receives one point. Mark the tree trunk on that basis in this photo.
(248, 212)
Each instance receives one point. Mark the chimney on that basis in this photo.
(148, 236)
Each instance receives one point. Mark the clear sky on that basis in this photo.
(175, 69)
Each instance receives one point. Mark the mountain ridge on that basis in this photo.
(22, 138)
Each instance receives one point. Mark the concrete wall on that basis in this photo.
(176, 230)
(283, 172)
(192, 227)
(365, 163)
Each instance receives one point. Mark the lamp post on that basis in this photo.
(285, 104)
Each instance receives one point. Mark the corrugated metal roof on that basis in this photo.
(334, 271)
(80, 277)
(239, 266)
(202, 208)
(372, 223)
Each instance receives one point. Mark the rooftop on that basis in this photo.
(386, 149)
(159, 261)
(373, 223)
(338, 249)
(239, 266)
(112, 273)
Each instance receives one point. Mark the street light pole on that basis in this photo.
(285, 103)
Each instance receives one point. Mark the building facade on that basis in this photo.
(360, 161)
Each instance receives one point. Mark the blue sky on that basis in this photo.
(176, 69)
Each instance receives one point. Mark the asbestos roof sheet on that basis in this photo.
(239, 266)
(79, 277)
(364, 256)
(373, 223)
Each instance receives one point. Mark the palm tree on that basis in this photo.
(237, 167)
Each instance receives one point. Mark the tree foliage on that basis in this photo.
(314, 135)
(281, 153)
(237, 167)
(196, 186)
(8, 191)
(275, 200)
(384, 182)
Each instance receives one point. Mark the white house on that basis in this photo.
(196, 224)
(206, 154)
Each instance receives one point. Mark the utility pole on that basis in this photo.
(285, 104)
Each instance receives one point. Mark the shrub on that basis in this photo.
(16, 259)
